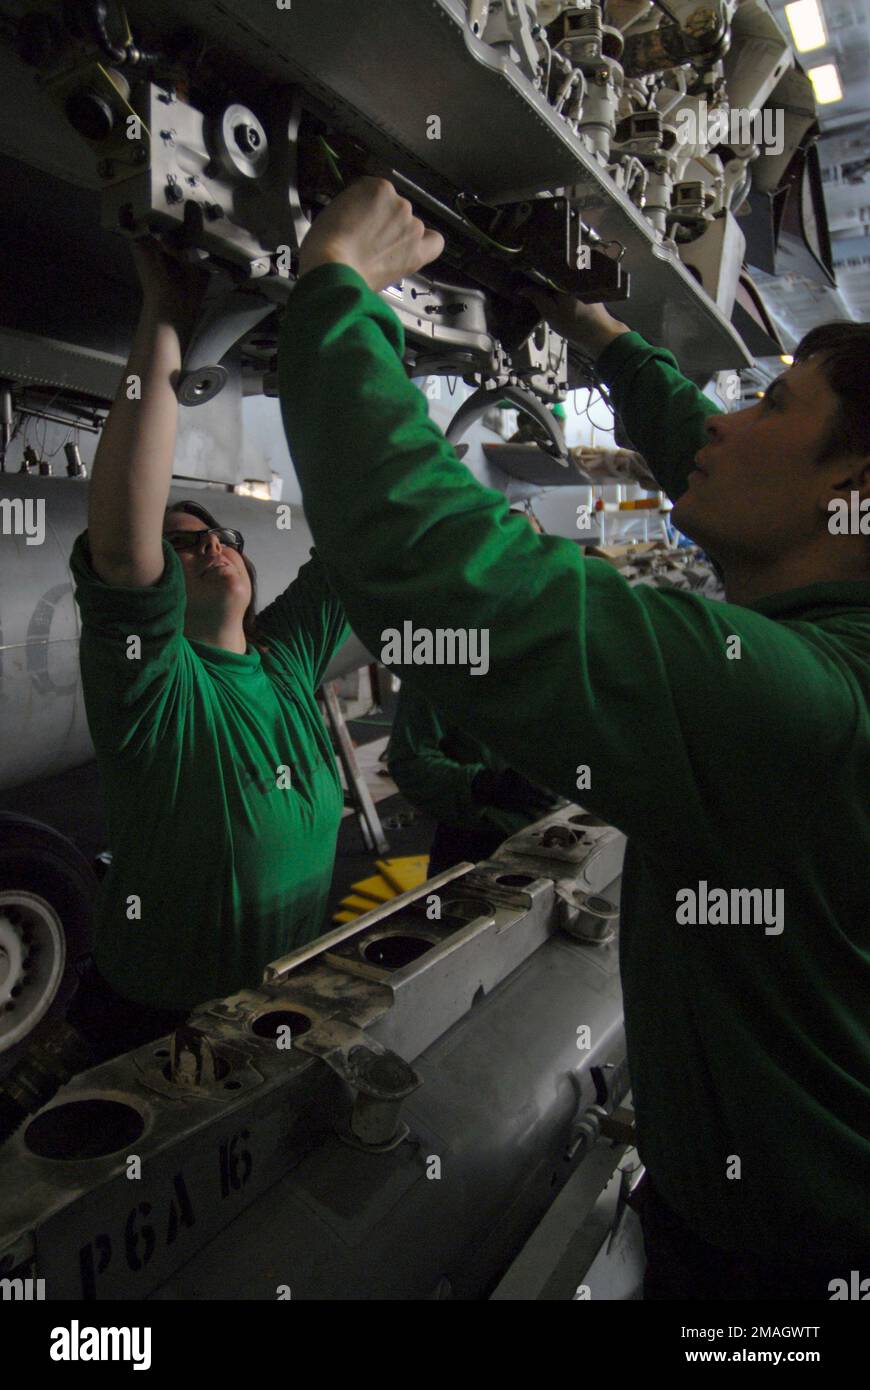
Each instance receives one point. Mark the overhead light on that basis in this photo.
(787, 359)
(826, 83)
(806, 24)
(254, 487)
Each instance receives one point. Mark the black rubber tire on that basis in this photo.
(36, 857)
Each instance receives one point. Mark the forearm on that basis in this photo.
(439, 787)
(595, 339)
(132, 470)
(662, 410)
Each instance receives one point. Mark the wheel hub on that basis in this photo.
(32, 959)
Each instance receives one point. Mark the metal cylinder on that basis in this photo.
(594, 921)
(74, 466)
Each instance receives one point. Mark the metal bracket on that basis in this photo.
(381, 1079)
(486, 396)
(585, 1132)
(231, 314)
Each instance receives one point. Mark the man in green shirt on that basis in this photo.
(729, 741)
(476, 798)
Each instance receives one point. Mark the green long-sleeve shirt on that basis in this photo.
(222, 795)
(748, 1050)
(434, 765)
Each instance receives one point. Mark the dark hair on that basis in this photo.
(249, 620)
(844, 349)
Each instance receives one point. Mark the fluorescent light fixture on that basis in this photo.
(806, 24)
(826, 83)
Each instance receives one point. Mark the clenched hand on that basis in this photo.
(373, 230)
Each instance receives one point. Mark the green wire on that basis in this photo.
(331, 159)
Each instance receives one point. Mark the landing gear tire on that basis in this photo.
(47, 895)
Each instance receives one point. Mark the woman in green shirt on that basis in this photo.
(222, 795)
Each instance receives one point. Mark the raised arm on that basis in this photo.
(567, 663)
(661, 409)
(132, 470)
(309, 620)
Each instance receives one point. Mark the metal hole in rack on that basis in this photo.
(83, 1129)
(467, 909)
(266, 1025)
(395, 951)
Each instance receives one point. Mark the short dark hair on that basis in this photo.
(249, 620)
(844, 350)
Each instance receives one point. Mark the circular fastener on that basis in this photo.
(242, 145)
(197, 387)
(384, 1075)
(247, 138)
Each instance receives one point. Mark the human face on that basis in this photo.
(756, 493)
(215, 576)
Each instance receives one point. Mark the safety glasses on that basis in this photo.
(192, 540)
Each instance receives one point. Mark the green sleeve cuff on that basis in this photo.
(620, 351)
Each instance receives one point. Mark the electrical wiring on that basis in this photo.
(458, 207)
(25, 424)
(594, 423)
(71, 434)
(331, 159)
(594, 390)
